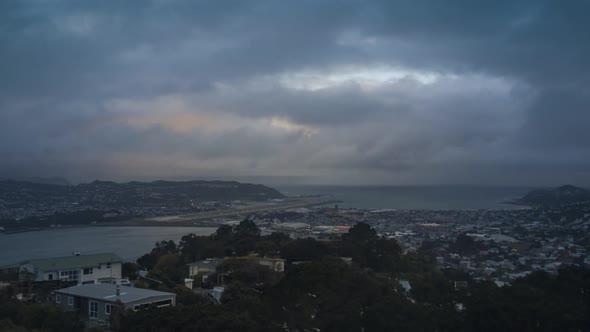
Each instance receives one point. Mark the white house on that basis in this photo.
(84, 269)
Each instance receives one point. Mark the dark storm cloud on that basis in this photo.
(326, 107)
(397, 91)
(542, 41)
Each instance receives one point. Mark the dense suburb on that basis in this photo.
(323, 293)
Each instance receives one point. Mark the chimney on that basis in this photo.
(118, 290)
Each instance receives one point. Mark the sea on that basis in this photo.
(415, 197)
(128, 242)
(132, 242)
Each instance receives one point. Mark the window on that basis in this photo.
(164, 303)
(70, 275)
(93, 309)
(159, 304)
(141, 306)
(58, 298)
(107, 309)
(88, 270)
(108, 265)
(50, 276)
(70, 300)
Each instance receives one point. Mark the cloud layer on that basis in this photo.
(349, 92)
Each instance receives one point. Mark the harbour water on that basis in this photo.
(128, 242)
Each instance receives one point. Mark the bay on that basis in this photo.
(127, 242)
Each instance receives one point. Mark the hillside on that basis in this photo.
(563, 195)
(40, 180)
(28, 205)
(156, 192)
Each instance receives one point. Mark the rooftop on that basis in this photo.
(74, 262)
(108, 292)
(271, 259)
(207, 262)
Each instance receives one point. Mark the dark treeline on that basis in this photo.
(319, 291)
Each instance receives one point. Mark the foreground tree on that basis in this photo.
(369, 250)
(148, 261)
(305, 250)
(168, 269)
(246, 234)
(193, 248)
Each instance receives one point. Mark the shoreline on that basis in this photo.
(517, 202)
(100, 226)
(190, 220)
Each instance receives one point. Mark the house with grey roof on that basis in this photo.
(83, 269)
(97, 301)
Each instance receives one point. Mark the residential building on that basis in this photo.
(84, 269)
(275, 264)
(347, 260)
(97, 301)
(203, 267)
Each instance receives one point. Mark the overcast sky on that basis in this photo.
(345, 92)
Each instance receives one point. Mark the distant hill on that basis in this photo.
(28, 206)
(156, 192)
(199, 190)
(563, 195)
(39, 180)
